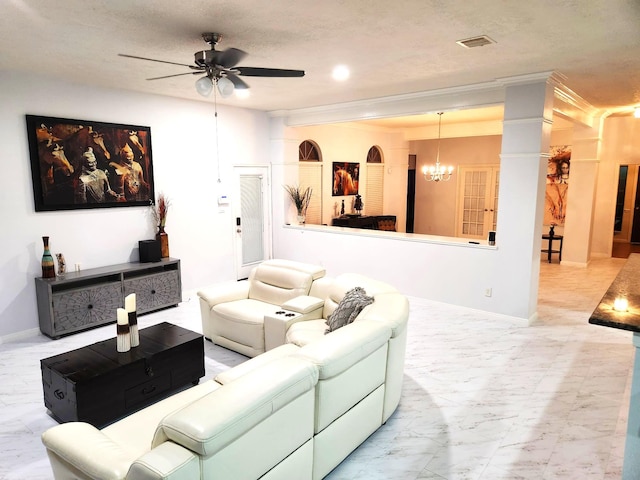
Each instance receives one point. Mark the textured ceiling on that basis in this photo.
(392, 47)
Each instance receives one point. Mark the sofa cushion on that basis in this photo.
(303, 333)
(337, 352)
(348, 308)
(242, 321)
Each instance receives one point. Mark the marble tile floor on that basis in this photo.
(485, 398)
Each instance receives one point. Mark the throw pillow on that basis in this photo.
(348, 308)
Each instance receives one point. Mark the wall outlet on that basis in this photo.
(487, 292)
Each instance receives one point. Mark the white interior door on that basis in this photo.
(477, 201)
(252, 218)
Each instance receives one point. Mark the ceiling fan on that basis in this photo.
(219, 67)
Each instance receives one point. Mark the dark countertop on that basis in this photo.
(626, 285)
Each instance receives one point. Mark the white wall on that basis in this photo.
(184, 156)
(451, 273)
(620, 146)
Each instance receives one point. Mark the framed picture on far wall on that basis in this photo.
(345, 178)
(77, 164)
(558, 167)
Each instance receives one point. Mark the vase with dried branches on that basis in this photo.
(159, 213)
(300, 198)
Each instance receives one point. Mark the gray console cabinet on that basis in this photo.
(82, 300)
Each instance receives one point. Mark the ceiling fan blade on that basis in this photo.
(154, 60)
(199, 72)
(230, 57)
(237, 81)
(268, 72)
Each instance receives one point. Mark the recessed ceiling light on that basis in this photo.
(340, 73)
(243, 93)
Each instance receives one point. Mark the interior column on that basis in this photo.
(581, 195)
(525, 150)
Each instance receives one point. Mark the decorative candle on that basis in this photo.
(130, 302)
(132, 317)
(123, 340)
(621, 304)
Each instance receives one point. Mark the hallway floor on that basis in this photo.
(623, 249)
(485, 397)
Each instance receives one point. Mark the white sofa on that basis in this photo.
(204, 432)
(389, 308)
(295, 411)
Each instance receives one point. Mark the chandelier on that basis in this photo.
(437, 172)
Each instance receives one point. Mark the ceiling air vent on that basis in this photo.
(473, 42)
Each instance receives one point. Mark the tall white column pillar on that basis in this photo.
(525, 150)
(581, 195)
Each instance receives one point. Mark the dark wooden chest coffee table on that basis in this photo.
(98, 385)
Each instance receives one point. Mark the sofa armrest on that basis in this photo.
(168, 461)
(304, 304)
(389, 308)
(87, 449)
(255, 363)
(298, 309)
(211, 423)
(225, 292)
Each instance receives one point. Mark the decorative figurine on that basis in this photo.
(358, 205)
(62, 265)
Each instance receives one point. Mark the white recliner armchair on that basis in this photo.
(233, 314)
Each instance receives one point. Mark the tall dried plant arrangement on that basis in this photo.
(160, 210)
(300, 197)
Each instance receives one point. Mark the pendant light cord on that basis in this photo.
(215, 106)
(439, 129)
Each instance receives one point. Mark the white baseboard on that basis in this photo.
(574, 264)
(19, 335)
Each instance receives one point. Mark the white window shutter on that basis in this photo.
(375, 185)
(310, 175)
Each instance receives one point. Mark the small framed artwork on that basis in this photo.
(79, 164)
(345, 178)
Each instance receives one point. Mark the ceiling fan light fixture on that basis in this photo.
(225, 87)
(204, 86)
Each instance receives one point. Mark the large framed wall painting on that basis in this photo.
(345, 178)
(78, 164)
(558, 166)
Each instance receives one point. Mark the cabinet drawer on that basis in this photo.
(147, 391)
(154, 291)
(77, 309)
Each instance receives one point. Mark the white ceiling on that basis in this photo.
(392, 47)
